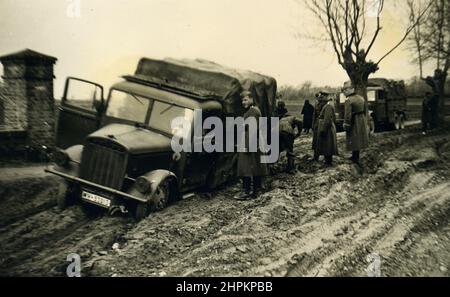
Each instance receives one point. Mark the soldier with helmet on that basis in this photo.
(355, 123)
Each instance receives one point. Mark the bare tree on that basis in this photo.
(431, 40)
(346, 26)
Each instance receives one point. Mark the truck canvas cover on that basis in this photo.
(393, 87)
(205, 80)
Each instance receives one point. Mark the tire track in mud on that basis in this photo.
(92, 238)
(43, 250)
(378, 235)
(172, 234)
(23, 240)
(392, 220)
(24, 197)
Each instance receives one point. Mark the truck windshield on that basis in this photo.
(162, 115)
(127, 106)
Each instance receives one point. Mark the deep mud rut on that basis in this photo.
(320, 221)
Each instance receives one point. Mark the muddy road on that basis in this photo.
(391, 213)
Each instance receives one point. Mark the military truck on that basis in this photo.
(116, 154)
(386, 104)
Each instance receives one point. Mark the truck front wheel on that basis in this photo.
(160, 200)
(161, 196)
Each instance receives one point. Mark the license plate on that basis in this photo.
(95, 199)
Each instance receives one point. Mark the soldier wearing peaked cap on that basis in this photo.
(325, 129)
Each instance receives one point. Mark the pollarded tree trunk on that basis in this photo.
(359, 71)
(437, 83)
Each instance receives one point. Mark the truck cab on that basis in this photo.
(116, 152)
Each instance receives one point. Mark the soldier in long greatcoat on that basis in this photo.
(355, 123)
(249, 165)
(321, 101)
(326, 129)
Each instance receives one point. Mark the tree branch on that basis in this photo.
(406, 33)
(377, 30)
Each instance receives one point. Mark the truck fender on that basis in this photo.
(75, 152)
(73, 168)
(155, 178)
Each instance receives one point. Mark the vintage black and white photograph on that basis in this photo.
(224, 138)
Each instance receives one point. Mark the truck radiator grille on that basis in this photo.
(104, 162)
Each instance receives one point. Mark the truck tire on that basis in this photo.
(161, 197)
(160, 201)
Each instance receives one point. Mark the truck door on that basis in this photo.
(200, 164)
(80, 111)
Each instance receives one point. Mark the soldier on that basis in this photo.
(307, 112)
(249, 165)
(326, 130)
(287, 126)
(426, 113)
(321, 101)
(355, 123)
(434, 111)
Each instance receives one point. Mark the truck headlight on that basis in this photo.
(143, 184)
(61, 158)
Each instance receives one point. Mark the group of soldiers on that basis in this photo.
(322, 119)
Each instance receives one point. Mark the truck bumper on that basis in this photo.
(87, 183)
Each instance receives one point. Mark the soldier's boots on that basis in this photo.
(328, 161)
(290, 168)
(316, 157)
(246, 186)
(355, 157)
(244, 196)
(257, 187)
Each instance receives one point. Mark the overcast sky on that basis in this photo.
(109, 36)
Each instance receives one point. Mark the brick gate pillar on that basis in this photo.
(28, 103)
